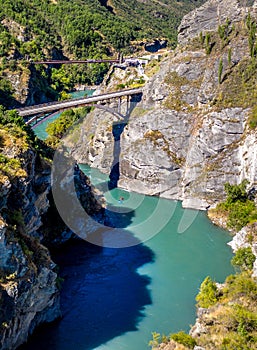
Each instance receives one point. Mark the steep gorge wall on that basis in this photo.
(29, 295)
(190, 133)
(29, 284)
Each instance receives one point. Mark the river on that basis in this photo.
(112, 299)
(40, 131)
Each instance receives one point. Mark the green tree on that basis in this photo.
(251, 26)
(57, 129)
(244, 258)
(208, 43)
(241, 213)
(184, 339)
(207, 295)
(10, 117)
(201, 38)
(154, 342)
(220, 70)
(64, 96)
(236, 192)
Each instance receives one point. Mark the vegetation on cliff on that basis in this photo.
(232, 49)
(14, 139)
(239, 209)
(230, 317)
(231, 321)
(25, 262)
(57, 129)
(227, 314)
(81, 30)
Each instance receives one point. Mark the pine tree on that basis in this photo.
(220, 71)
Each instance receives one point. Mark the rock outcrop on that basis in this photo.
(246, 238)
(29, 294)
(189, 135)
(208, 17)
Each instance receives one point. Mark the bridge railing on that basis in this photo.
(44, 107)
(75, 61)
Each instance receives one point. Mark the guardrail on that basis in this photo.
(53, 106)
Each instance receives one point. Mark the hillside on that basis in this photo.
(195, 128)
(77, 29)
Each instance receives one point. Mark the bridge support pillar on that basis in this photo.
(120, 58)
(119, 105)
(127, 106)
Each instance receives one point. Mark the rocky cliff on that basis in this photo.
(211, 14)
(29, 285)
(29, 294)
(190, 133)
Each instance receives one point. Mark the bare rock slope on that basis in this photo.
(190, 134)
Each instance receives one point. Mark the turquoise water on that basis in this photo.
(182, 261)
(40, 130)
(112, 299)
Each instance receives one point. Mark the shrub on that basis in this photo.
(11, 167)
(251, 25)
(229, 56)
(236, 192)
(238, 209)
(208, 45)
(252, 121)
(240, 214)
(244, 258)
(245, 320)
(208, 293)
(184, 339)
(224, 31)
(241, 284)
(154, 342)
(59, 282)
(220, 71)
(201, 38)
(235, 342)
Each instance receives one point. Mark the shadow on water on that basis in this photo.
(118, 219)
(102, 297)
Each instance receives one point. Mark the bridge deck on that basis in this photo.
(54, 106)
(73, 61)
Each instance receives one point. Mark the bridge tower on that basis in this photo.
(119, 105)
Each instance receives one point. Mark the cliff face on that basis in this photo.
(28, 291)
(190, 134)
(210, 15)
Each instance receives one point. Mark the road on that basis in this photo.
(54, 106)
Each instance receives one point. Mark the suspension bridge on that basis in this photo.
(54, 62)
